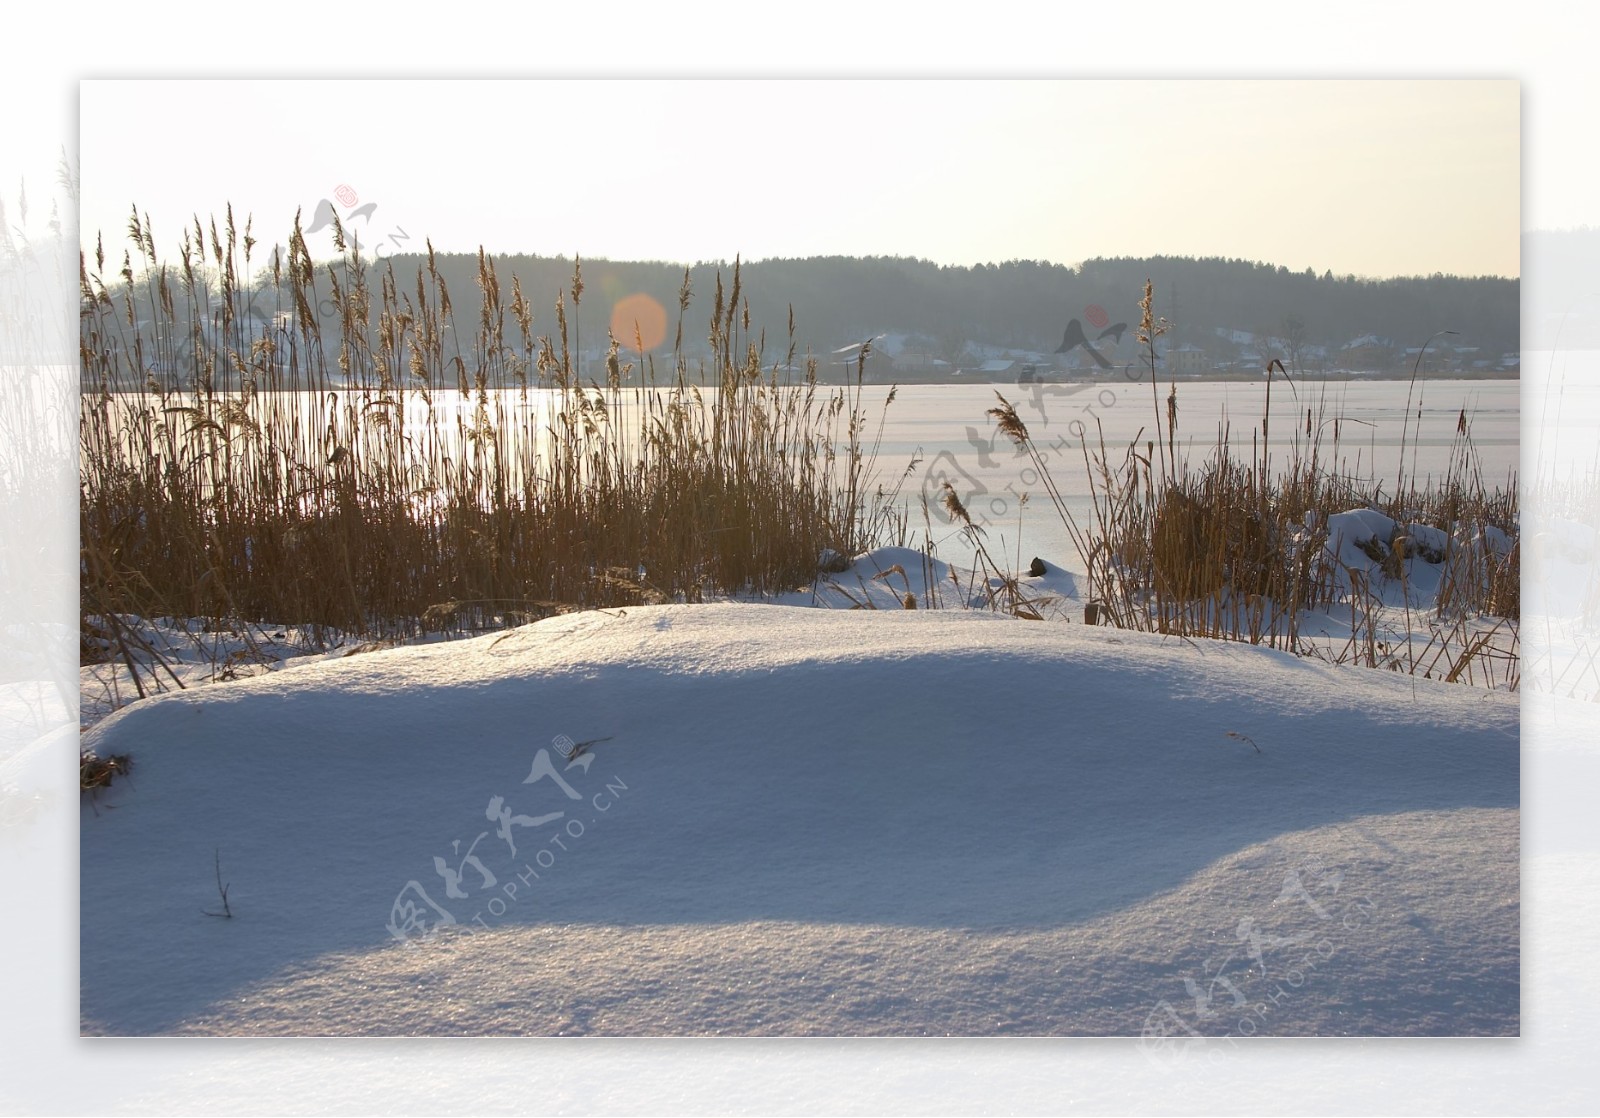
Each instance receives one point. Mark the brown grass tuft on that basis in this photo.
(391, 468)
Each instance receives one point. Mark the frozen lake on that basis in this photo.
(948, 427)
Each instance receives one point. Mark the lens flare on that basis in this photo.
(639, 315)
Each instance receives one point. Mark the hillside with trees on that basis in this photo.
(1228, 316)
(1025, 305)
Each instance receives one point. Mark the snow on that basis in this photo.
(810, 821)
(174, 654)
(193, 652)
(1405, 614)
(881, 579)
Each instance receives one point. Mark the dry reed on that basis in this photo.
(1237, 550)
(388, 465)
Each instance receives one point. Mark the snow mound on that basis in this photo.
(883, 578)
(1366, 543)
(921, 813)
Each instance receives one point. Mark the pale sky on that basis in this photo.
(1372, 177)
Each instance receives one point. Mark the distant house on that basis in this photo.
(999, 367)
(1369, 352)
(1437, 358)
(1235, 337)
(1187, 360)
(848, 359)
(919, 361)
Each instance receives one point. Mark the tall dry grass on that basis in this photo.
(405, 466)
(1237, 549)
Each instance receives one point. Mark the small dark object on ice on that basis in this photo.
(577, 750)
(1036, 569)
(1245, 737)
(94, 772)
(226, 913)
(572, 750)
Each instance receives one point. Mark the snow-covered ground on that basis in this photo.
(1396, 623)
(803, 821)
(175, 654)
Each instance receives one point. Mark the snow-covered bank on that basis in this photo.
(1407, 619)
(174, 654)
(801, 820)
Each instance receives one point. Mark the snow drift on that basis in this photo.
(808, 821)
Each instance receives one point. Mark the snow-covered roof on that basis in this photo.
(854, 347)
(893, 343)
(1370, 340)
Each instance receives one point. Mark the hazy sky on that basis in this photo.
(1372, 177)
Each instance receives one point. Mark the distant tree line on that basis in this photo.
(1022, 304)
(952, 311)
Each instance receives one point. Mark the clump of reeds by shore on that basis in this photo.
(1237, 549)
(392, 464)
